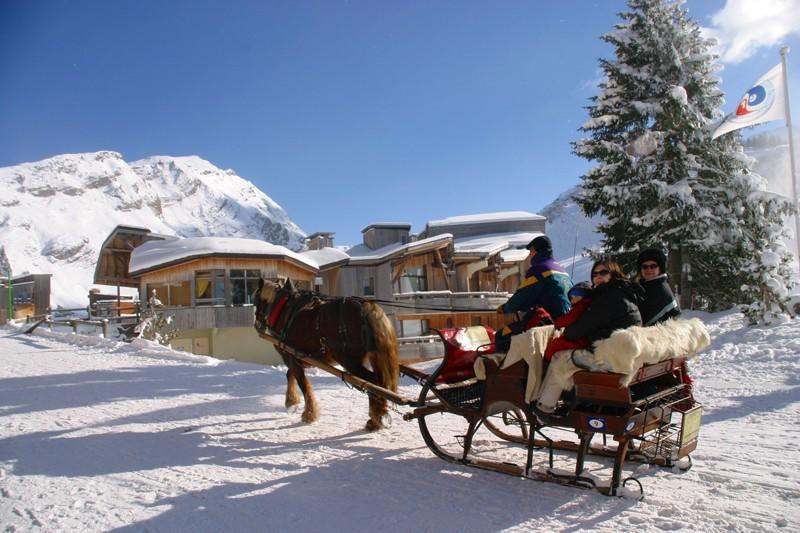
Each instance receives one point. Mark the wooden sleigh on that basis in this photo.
(654, 420)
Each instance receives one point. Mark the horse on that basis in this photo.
(346, 330)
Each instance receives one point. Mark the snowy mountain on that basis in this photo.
(55, 213)
(571, 232)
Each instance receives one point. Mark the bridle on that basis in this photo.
(268, 313)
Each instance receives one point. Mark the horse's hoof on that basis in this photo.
(309, 418)
(293, 408)
(373, 426)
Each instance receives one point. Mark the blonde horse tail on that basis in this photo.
(385, 360)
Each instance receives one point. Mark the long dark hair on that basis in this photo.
(612, 266)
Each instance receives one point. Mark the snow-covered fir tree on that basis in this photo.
(155, 324)
(5, 265)
(662, 181)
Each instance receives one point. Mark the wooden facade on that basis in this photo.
(30, 295)
(115, 255)
(209, 298)
(181, 285)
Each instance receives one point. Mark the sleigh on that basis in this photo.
(641, 406)
(653, 419)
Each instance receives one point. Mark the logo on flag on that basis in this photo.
(755, 102)
(762, 103)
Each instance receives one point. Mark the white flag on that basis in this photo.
(764, 102)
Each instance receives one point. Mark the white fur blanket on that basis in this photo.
(627, 350)
(528, 346)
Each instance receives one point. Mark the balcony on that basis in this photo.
(207, 316)
(446, 300)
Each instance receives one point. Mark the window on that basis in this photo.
(413, 280)
(209, 287)
(414, 328)
(173, 294)
(369, 287)
(243, 284)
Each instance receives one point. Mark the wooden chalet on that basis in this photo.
(29, 296)
(207, 284)
(455, 273)
(112, 267)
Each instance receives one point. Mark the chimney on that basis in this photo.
(320, 240)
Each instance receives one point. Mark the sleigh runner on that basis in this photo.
(648, 415)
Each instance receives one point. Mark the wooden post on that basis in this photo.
(10, 297)
(74, 324)
(686, 280)
(105, 328)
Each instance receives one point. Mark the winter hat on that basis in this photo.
(541, 244)
(652, 254)
(584, 288)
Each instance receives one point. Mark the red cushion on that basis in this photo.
(458, 358)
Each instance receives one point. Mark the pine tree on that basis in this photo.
(5, 265)
(662, 181)
(156, 325)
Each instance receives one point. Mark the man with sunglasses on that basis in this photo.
(659, 303)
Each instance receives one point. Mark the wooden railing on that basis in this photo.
(72, 323)
(477, 301)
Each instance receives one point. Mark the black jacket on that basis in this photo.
(659, 303)
(614, 306)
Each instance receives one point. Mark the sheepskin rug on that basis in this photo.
(627, 350)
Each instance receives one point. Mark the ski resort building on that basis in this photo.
(455, 273)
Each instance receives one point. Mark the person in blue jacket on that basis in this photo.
(540, 298)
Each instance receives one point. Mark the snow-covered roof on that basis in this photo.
(362, 254)
(483, 245)
(159, 254)
(513, 255)
(500, 216)
(325, 257)
(387, 225)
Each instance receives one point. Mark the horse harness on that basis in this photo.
(288, 304)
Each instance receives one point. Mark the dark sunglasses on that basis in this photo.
(600, 273)
(649, 266)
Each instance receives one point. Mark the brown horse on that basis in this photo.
(349, 331)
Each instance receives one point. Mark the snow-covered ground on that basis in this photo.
(97, 436)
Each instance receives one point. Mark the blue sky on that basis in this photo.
(344, 112)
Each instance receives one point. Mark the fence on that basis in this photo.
(72, 323)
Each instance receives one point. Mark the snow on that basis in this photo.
(56, 213)
(154, 254)
(500, 216)
(325, 256)
(492, 243)
(98, 435)
(361, 253)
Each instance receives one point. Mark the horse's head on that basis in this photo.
(265, 298)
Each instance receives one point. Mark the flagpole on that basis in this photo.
(784, 52)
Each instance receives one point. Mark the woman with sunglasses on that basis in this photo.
(659, 303)
(615, 305)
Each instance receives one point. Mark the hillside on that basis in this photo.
(57, 212)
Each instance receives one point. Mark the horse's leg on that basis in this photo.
(311, 412)
(377, 405)
(377, 410)
(292, 394)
